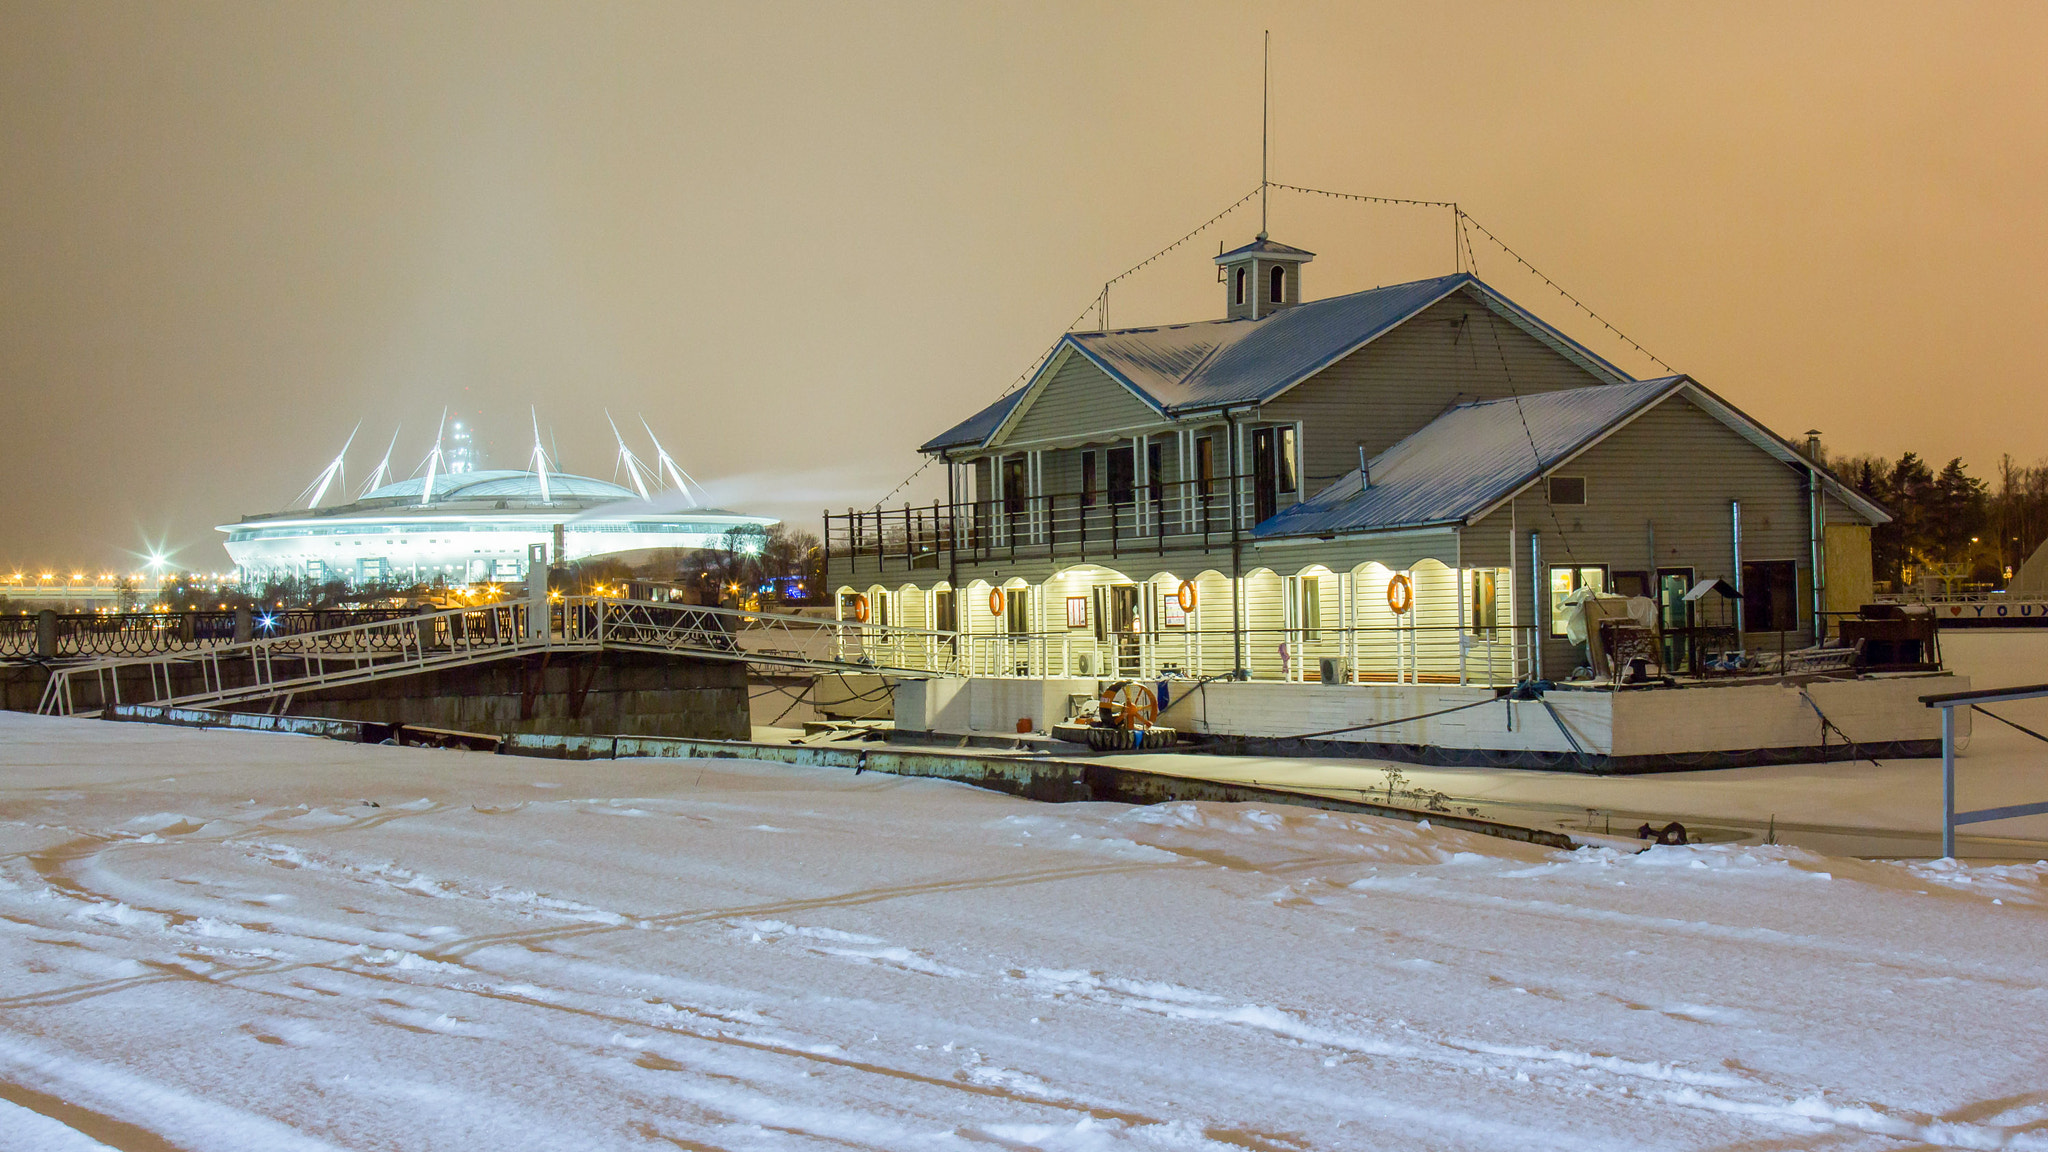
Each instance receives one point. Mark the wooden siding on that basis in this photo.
(1455, 351)
(1670, 475)
(1079, 401)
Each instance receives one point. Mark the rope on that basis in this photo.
(1367, 199)
(1206, 225)
(1575, 301)
(1382, 723)
(1083, 315)
(2008, 723)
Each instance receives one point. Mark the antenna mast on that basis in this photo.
(1265, 130)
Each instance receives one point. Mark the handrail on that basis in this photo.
(269, 667)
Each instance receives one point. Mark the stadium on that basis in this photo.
(457, 524)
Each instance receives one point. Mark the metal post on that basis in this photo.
(536, 591)
(1948, 783)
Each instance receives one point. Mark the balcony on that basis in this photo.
(1153, 519)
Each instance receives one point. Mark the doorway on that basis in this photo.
(1674, 616)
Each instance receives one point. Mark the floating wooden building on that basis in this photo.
(1360, 506)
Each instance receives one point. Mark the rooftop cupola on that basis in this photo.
(1261, 278)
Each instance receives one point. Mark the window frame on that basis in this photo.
(1122, 489)
(1483, 612)
(1751, 594)
(1277, 294)
(1303, 608)
(1578, 572)
(1550, 491)
(1077, 611)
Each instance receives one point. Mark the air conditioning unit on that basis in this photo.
(1084, 663)
(1334, 670)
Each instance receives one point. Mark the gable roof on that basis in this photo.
(1182, 368)
(976, 428)
(1465, 463)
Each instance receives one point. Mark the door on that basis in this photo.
(1674, 616)
(1123, 619)
(1265, 478)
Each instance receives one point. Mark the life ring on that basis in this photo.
(1187, 596)
(1400, 594)
(996, 601)
(860, 609)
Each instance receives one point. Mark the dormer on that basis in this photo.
(1261, 278)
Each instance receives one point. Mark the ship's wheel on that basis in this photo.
(1128, 705)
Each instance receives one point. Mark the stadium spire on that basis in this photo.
(433, 462)
(382, 475)
(667, 463)
(332, 472)
(540, 457)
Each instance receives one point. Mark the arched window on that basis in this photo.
(1279, 284)
(1241, 278)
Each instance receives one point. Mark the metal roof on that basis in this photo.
(1467, 459)
(1189, 367)
(1464, 463)
(976, 428)
(504, 484)
(1269, 248)
(1184, 368)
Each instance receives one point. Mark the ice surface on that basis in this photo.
(210, 940)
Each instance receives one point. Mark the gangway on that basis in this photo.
(279, 667)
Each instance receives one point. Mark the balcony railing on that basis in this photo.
(1149, 519)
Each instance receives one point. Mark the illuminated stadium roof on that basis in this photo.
(458, 522)
(504, 485)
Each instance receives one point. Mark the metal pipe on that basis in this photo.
(1236, 549)
(1948, 783)
(1535, 606)
(1741, 619)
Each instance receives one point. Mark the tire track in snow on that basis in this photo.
(456, 950)
(119, 1135)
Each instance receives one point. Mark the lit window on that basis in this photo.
(1564, 582)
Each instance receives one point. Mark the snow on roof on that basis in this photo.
(1214, 363)
(1467, 459)
(977, 427)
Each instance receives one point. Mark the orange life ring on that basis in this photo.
(1400, 594)
(996, 601)
(860, 609)
(1187, 596)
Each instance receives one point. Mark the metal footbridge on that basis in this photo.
(275, 668)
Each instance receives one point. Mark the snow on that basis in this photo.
(225, 940)
(1848, 807)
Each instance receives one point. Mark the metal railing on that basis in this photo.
(279, 667)
(139, 633)
(1948, 702)
(1148, 518)
(1419, 654)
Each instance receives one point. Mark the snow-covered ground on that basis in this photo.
(1846, 807)
(213, 940)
